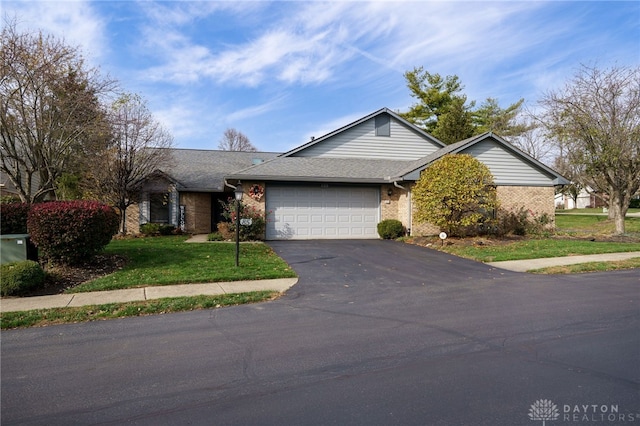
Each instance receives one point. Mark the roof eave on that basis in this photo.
(324, 179)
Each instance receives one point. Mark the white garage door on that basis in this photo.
(332, 212)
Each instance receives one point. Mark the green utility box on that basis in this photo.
(16, 248)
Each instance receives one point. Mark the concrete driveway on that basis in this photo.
(374, 333)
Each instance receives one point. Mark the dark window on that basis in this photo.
(159, 207)
(383, 125)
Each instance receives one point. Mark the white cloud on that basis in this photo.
(76, 22)
(253, 111)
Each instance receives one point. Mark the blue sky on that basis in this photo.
(284, 71)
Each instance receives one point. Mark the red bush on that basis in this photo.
(13, 218)
(70, 232)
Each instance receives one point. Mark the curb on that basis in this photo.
(141, 294)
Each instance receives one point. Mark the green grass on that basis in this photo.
(169, 260)
(538, 248)
(590, 267)
(589, 211)
(593, 225)
(43, 317)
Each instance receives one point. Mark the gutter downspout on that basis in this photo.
(409, 216)
(228, 184)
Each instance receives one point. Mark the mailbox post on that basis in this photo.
(238, 192)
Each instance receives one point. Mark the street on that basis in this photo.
(375, 333)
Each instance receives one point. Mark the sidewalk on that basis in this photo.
(529, 264)
(280, 285)
(139, 294)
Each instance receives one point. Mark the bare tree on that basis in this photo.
(533, 140)
(572, 171)
(596, 117)
(233, 140)
(139, 148)
(50, 110)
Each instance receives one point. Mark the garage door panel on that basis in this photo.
(300, 212)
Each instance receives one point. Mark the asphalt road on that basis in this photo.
(374, 333)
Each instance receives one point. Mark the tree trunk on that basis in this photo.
(618, 206)
(123, 221)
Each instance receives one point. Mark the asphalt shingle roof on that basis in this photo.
(205, 170)
(324, 169)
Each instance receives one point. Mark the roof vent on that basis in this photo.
(257, 161)
(313, 138)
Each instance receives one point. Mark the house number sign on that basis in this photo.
(246, 221)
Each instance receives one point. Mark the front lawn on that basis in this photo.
(169, 260)
(569, 223)
(537, 248)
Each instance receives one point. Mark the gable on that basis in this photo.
(508, 168)
(508, 164)
(390, 140)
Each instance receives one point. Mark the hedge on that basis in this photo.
(13, 218)
(70, 232)
(18, 277)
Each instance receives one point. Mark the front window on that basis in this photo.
(159, 207)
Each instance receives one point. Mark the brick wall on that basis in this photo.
(197, 212)
(133, 219)
(396, 205)
(537, 199)
(248, 200)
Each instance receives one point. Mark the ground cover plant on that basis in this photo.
(43, 317)
(169, 260)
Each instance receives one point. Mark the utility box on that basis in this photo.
(16, 248)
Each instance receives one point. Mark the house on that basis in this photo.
(587, 198)
(339, 185)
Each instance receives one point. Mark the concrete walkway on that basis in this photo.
(529, 264)
(139, 294)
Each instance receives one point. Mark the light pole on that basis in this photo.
(238, 192)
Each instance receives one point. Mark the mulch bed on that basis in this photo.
(60, 278)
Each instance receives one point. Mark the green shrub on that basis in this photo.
(215, 236)
(167, 229)
(70, 232)
(13, 218)
(150, 229)
(521, 222)
(635, 203)
(390, 229)
(457, 194)
(18, 277)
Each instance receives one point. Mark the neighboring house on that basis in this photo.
(9, 190)
(587, 199)
(339, 185)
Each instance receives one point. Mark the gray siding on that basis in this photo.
(361, 142)
(507, 168)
